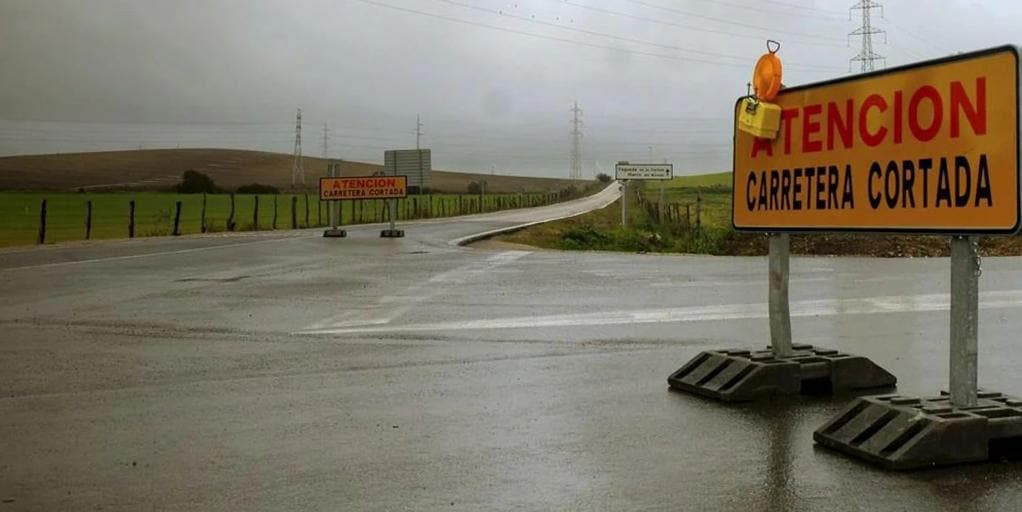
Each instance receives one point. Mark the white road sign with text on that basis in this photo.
(644, 171)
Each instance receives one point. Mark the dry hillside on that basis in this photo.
(159, 169)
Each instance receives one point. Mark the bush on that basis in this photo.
(568, 192)
(257, 188)
(474, 187)
(603, 178)
(583, 238)
(194, 182)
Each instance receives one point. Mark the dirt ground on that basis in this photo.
(884, 246)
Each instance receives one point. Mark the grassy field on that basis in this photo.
(154, 214)
(720, 179)
(601, 230)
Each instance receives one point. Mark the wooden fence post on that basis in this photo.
(306, 210)
(177, 219)
(42, 222)
(202, 221)
(231, 223)
(274, 211)
(255, 213)
(88, 219)
(294, 212)
(699, 209)
(131, 219)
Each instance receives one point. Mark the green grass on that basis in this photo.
(714, 193)
(720, 179)
(154, 214)
(601, 230)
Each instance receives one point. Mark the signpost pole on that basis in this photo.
(392, 205)
(333, 205)
(624, 204)
(780, 314)
(965, 271)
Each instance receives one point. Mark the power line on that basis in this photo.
(677, 25)
(924, 41)
(804, 7)
(572, 41)
(726, 21)
(814, 12)
(591, 32)
(867, 57)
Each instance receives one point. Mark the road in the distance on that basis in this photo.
(285, 371)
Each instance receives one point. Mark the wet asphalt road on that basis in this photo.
(285, 371)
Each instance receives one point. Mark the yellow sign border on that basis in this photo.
(1015, 51)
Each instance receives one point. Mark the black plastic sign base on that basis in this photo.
(900, 432)
(743, 375)
(335, 233)
(392, 233)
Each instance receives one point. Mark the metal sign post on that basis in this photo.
(780, 315)
(625, 172)
(624, 204)
(333, 207)
(965, 271)
(393, 232)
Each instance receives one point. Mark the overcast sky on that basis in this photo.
(493, 81)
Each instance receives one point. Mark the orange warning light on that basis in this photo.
(766, 79)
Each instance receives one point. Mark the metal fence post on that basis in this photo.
(255, 213)
(780, 315)
(274, 226)
(306, 210)
(965, 271)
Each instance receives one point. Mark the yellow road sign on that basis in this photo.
(930, 147)
(363, 187)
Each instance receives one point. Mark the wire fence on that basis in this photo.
(60, 217)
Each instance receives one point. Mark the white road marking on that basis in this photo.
(399, 304)
(826, 307)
